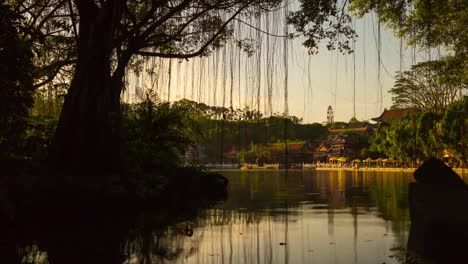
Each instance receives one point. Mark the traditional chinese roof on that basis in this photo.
(292, 147)
(232, 153)
(388, 115)
(295, 147)
(338, 139)
(360, 130)
(324, 147)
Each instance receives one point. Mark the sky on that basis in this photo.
(314, 81)
(332, 76)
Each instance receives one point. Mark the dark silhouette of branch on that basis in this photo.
(202, 49)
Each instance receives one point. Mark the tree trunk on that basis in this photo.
(87, 140)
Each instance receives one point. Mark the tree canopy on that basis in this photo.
(428, 86)
(84, 48)
(16, 89)
(422, 22)
(427, 24)
(92, 43)
(169, 29)
(425, 134)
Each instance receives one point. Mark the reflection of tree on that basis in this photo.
(33, 255)
(255, 190)
(62, 235)
(263, 189)
(389, 193)
(250, 224)
(100, 233)
(166, 245)
(245, 228)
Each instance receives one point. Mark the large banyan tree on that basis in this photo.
(96, 40)
(89, 44)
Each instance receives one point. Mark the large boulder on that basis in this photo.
(439, 214)
(436, 173)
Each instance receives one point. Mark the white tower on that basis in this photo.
(330, 115)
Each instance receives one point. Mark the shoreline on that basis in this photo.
(369, 169)
(459, 171)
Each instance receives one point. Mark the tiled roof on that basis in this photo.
(392, 114)
(296, 147)
(357, 130)
(324, 147)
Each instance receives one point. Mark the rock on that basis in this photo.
(439, 214)
(435, 172)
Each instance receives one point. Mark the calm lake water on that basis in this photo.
(268, 217)
(295, 217)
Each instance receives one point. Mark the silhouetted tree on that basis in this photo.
(100, 39)
(16, 83)
(426, 88)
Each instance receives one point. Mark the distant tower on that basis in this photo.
(330, 115)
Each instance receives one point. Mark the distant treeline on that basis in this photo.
(227, 130)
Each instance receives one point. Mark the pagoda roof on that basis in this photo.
(392, 114)
(324, 147)
(292, 146)
(359, 130)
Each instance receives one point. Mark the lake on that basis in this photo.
(269, 216)
(296, 217)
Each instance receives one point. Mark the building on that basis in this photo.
(338, 146)
(330, 115)
(389, 115)
(298, 152)
(366, 129)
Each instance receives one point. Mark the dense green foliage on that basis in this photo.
(436, 88)
(323, 19)
(92, 43)
(93, 126)
(422, 22)
(360, 141)
(16, 84)
(157, 134)
(421, 135)
(227, 130)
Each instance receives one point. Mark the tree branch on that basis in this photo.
(51, 77)
(202, 49)
(167, 16)
(48, 16)
(179, 32)
(72, 17)
(260, 30)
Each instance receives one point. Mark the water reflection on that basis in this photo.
(301, 217)
(269, 217)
